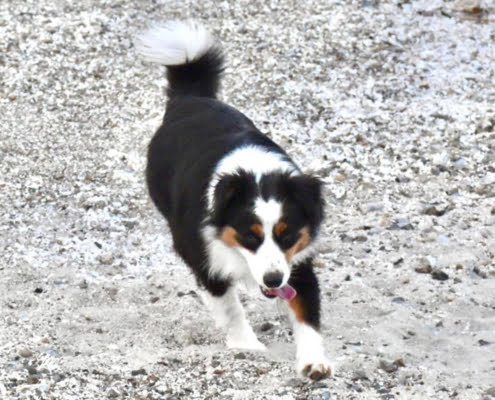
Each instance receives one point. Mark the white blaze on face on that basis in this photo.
(268, 257)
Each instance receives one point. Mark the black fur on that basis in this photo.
(197, 132)
(304, 280)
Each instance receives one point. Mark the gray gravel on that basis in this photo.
(390, 102)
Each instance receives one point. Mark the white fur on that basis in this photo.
(268, 257)
(224, 261)
(309, 347)
(253, 159)
(238, 263)
(174, 43)
(229, 315)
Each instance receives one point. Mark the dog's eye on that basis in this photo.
(287, 239)
(250, 241)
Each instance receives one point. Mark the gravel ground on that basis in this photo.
(391, 103)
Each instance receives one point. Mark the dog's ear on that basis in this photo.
(231, 190)
(306, 191)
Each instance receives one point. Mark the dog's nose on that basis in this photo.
(273, 279)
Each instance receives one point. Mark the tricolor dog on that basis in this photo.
(238, 207)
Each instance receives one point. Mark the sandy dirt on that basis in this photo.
(391, 103)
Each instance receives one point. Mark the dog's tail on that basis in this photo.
(193, 59)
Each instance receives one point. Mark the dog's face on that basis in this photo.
(271, 223)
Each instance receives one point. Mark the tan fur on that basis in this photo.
(257, 229)
(301, 244)
(296, 306)
(280, 227)
(229, 236)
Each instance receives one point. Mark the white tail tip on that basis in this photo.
(174, 43)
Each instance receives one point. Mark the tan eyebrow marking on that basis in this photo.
(229, 236)
(280, 227)
(257, 229)
(301, 244)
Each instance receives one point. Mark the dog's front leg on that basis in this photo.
(304, 312)
(229, 315)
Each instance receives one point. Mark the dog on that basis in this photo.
(238, 207)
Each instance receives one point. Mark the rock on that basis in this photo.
(490, 391)
(399, 300)
(113, 393)
(461, 163)
(154, 299)
(140, 371)
(426, 269)
(439, 275)
(388, 366)
(83, 284)
(391, 366)
(106, 259)
(32, 370)
(26, 353)
(326, 396)
(401, 224)
(239, 356)
(38, 290)
(398, 261)
(482, 342)
(32, 379)
(266, 326)
(359, 374)
(480, 273)
(433, 210)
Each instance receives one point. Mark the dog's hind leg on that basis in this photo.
(230, 316)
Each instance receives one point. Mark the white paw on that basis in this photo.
(245, 341)
(315, 369)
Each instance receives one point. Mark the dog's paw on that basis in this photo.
(245, 340)
(242, 344)
(315, 370)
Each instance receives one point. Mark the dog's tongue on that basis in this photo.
(286, 292)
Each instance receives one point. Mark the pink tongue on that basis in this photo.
(286, 292)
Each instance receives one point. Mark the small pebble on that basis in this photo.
(425, 269)
(359, 375)
(140, 371)
(388, 366)
(490, 391)
(480, 273)
(439, 275)
(239, 356)
(266, 326)
(32, 379)
(398, 300)
(113, 393)
(26, 353)
(32, 370)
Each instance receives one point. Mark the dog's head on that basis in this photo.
(271, 221)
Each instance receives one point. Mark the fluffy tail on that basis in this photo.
(194, 62)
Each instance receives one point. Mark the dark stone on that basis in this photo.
(399, 300)
(480, 273)
(38, 290)
(439, 275)
(266, 326)
(398, 261)
(140, 371)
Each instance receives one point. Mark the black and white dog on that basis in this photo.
(238, 207)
